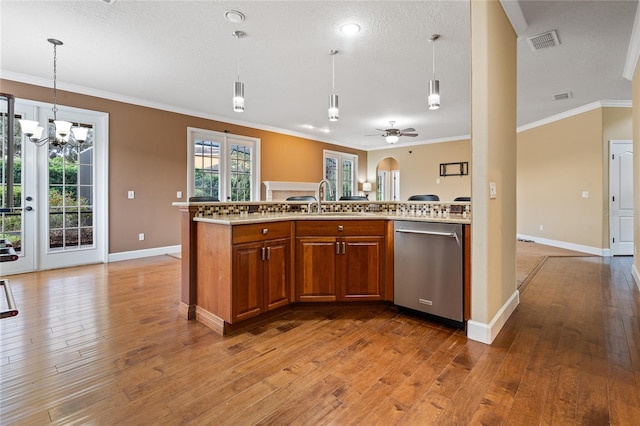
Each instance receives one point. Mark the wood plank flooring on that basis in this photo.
(103, 344)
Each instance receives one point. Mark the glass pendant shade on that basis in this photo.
(80, 133)
(31, 129)
(238, 96)
(433, 100)
(333, 108)
(392, 139)
(63, 129)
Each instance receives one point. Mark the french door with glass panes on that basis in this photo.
(341, 170)
(59, 214)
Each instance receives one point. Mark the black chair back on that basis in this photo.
(353, 198)
(462, 199)
(301, 198)
(426, 197)
(201, 199)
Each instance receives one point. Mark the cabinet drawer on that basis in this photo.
(261, 232)
(339, 228)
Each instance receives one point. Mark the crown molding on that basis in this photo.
(572, 112)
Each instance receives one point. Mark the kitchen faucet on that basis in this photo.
(325, 181)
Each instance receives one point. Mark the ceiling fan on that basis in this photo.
(392, 135)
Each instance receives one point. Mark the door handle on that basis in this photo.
(28, 198)
(28, 208)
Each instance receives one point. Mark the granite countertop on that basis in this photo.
(240, 219)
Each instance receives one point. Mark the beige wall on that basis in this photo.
(148, 154)
(493, 154)
(556, 163)
(420, 168)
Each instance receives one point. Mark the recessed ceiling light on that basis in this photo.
(234, 16)
(350, 29)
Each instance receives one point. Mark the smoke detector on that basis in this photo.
(544, 40)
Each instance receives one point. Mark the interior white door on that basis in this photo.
(621, 197)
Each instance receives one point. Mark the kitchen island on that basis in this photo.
(246, 262)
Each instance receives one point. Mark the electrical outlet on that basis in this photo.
(541, 227)
(179, 194)
(131, 195)
(438, 180)
(585, 194)
(493, 190)
(141, 236)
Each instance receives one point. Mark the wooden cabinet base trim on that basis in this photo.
(210, 320)
(187, 312)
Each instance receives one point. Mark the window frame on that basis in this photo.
(340, 156)
(225, 140)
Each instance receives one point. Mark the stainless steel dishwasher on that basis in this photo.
(428, 269)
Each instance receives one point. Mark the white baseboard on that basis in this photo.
(635, 275)
(138, 254)
(569, 246)
(485, 333)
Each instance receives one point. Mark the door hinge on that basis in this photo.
(613, 198)
(613, 240)
(612, 156)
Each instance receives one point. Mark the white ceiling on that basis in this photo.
(181, 56)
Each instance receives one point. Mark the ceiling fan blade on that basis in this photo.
(381, 130)
(376, 134)
(410, 129)
(411, 135)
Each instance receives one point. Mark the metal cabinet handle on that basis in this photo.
(337, 247)
(344, 248)
(265, 231)
(340, 228)
(268, 253)
(262, 256)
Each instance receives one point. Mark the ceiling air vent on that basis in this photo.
(109, 1)
(544, 40)
(562, 96)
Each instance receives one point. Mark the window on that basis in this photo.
(341, 170)
(223, 166)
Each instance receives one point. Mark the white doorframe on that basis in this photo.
(36, 255)
(621, 206)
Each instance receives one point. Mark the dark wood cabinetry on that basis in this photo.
(340, 260)
(243, 271)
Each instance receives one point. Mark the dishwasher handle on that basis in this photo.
(440, 234)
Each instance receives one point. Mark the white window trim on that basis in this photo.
(341, 155)
(194, 133)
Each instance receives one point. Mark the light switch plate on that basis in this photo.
(493, 191)
(179, 194)
(585, 194)
(131, 195)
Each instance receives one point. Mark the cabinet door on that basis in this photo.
(277, 274)
(316, 269)
(247, 285)
(360, 268)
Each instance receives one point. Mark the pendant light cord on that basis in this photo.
(55, 87)
(434, 59)
(333, 73)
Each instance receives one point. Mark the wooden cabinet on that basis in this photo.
(340, 260)
(243, 271)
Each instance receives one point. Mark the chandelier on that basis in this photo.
(63, 129)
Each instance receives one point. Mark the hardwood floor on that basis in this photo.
(103, 344)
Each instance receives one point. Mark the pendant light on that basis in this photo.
(238, 86)
(333, 98)
(63, 129)
(433, 100)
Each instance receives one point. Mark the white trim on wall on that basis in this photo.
(575, 111)
(633, 51)
(486, 333)
(605, 252)
(272, 185)
(635, 275)
(139, 254)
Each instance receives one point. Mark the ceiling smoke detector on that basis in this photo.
(562, 96)
(544, 40)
